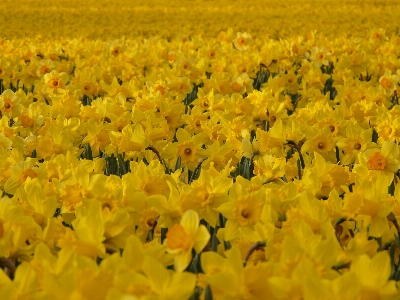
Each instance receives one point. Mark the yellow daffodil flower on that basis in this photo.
(183, 237)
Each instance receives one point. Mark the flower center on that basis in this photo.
(376, 36)
(44, 70)
(106, 205)
(116, 50)
(102, 138)
(241, 41)
(245, 213)
(177, 238)
(182, 87)
(236, 87)
(8, 105)
(387, 130)
(72, 195)
(26, 121)
(321, 146)
(54, 83)
(357, 146)
(187, 151)
(151, 222)
(161, 89)
(376, 162)
(385, 83)
(28, 173)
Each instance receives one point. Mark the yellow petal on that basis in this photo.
(182, 260)
(182, 135)
(133, 255)
(380, 268)
(158, 275)
(159, 202)
(190, 221)
(201, 239)
(181, 286)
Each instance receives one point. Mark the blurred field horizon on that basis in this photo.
(107, 20)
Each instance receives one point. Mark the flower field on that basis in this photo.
(199, 149)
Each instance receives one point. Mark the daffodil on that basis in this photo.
(98, 136)
(379, 162)
(373, 275)
(228, 278)
(89, 233)
(188, 148)
(320, 141)
(55, 82)
(274, 138)
(388, 82)
(41, 206)
(182, 238)
(10, 104)
(20, 173)
(167, 284)
(210, 193)
(357, 140)
(369, 203)
(242, 41)
(242, 210)
(324, 176)
(310, 210)
(270, 168)
(320, 57)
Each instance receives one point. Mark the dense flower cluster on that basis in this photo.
(212, 163)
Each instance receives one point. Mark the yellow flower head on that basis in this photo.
(388, 82)
(242, 41)
(189, 148)
(385, 159)
(55, 82)
(184, 237)
(10, 104)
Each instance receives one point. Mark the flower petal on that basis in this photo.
(201, 239)
(182, 260)
(190, 221)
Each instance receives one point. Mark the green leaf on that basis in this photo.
(178, 163)
(391, 188)
(340, 221)
(397, 240)
(392, 252)
(397, 276)
(163, 234)
(122, 169)
(88, 152)
(214, 243)
(207, 293)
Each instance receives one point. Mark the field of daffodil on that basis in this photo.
(199, 149)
